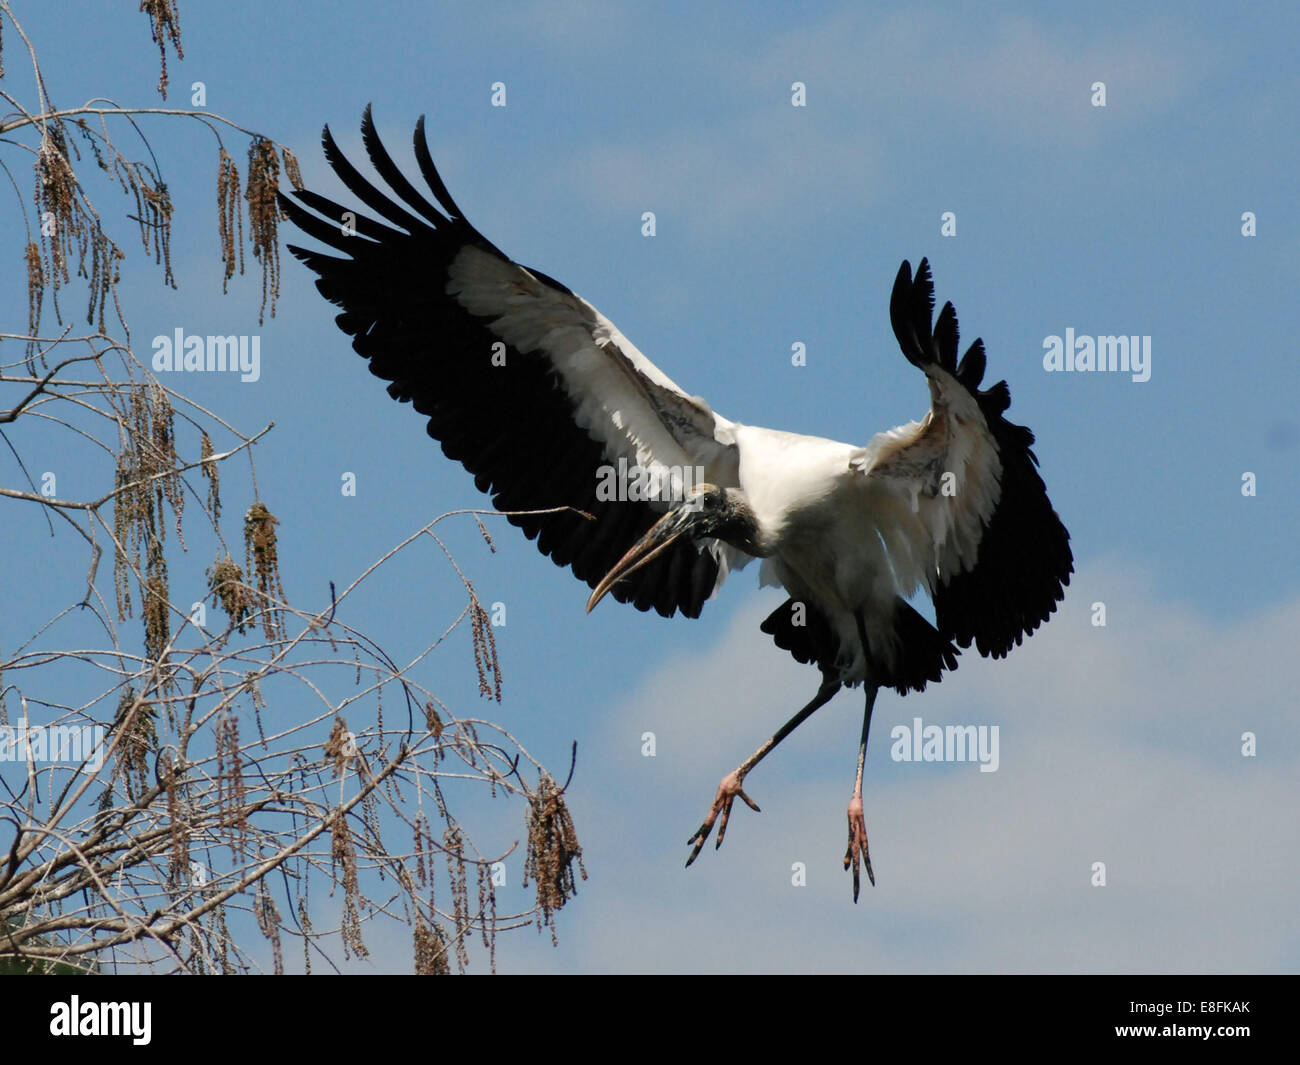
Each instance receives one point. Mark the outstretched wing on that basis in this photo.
(962, 510)
(525, 383)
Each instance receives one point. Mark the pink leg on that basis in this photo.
(858, 852)
(731, 783)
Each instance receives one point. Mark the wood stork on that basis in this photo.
(539, 395)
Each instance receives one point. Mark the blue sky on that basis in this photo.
(778, 224)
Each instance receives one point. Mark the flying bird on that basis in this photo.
(539, 396)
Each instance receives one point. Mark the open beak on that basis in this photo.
(658, 538)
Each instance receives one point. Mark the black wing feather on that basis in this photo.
(512, 427)
(1024, 560)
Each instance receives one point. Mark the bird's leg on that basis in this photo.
(731, 785)
(858, 851)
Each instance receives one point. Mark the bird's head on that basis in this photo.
(707, 511)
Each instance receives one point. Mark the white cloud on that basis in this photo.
(1024, 77)
(913, 82)
(1119, 745)
(754, 172)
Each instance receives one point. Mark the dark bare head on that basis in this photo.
(707, 512)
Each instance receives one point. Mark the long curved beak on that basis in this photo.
(658, 538)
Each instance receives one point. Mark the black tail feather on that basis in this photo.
(919, 655)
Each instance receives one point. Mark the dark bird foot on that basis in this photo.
(858, 851)
(727, 792)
